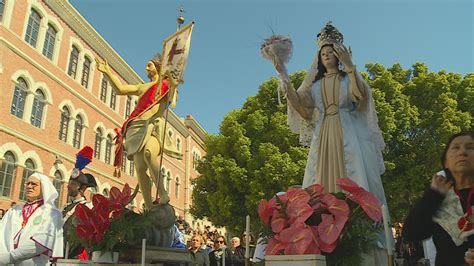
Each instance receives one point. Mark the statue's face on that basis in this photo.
(151, 70)
(328, 58)
(33, 189)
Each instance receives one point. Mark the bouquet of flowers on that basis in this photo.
(341, 226)
(277, 48)
(108, 225)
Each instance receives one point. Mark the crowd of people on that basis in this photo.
(215, 252)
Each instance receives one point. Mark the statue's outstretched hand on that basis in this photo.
(344, 56)
(102, 65)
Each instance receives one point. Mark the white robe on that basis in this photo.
(42, 236)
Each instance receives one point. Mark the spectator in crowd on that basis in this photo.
(32, 234)
(251, 244)
(178, 239)
(2, 213)
(220, 253)
(238, 252)
(445, 210)
(199, 256)
(209, 245)
(12, 204)
(182, 225)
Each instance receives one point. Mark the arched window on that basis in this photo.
(64, 124)
(132, 168)
(49, 41)
(128, 107)
(105, 192)
(113, 98)
(98, 143)
(170, 133)
(108, 149)
(58, 184)
(2, 7)
(32, 30)
(73, 60)
(7, 172)
(167, 181)
(19, 97)
(103, 88)
(163, 176)
(37, 109)
(76, 140)
(86, 67)
(176, 191)
(124, 161)
(178, 144)
(27, 171)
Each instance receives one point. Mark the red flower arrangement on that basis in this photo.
(108, 223)
(309, 221)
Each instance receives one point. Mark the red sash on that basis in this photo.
(26, 212)
(144, 103)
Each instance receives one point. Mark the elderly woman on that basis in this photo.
(32, 234)
(445, 210)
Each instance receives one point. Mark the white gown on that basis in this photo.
(361, 157)
(362, 143)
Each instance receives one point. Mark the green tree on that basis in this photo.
(255, 154)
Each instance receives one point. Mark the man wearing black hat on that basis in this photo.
(76, 188)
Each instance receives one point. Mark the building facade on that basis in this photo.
(54, 102)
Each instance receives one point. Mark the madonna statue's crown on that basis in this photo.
(329, 35)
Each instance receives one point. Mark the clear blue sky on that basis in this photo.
(225, 65)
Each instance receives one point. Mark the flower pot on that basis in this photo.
(105, 257)
(295, 260)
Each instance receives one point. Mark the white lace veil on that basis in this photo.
(299, 125)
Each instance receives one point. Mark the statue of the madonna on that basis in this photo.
(333, 111)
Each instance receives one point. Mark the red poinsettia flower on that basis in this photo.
(274, 247)
(278, 223)
(297, 239)
(265, 210)
(84, 214)
(315, 191)
(125, 195)
(369, 203)
(298, 211)
(347, 184)
(297, 195)
(335, 206)
(330, 228)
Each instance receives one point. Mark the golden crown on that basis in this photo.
(329, 35)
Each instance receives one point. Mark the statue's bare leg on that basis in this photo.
(143, 178)
(152, 150)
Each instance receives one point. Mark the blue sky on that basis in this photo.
(225, 66)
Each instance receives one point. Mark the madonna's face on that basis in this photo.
(328, 58)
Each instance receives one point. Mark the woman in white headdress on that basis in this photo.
(32, 234)
(333, 111)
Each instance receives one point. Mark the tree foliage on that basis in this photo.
(256, 155)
